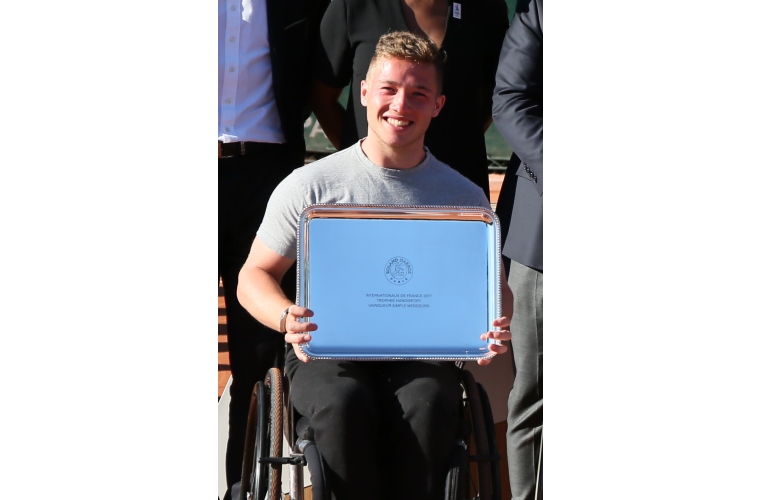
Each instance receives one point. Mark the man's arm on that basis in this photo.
(332, 67)
(326, 105)
(518, 95)
(497, 16)
(260, 292)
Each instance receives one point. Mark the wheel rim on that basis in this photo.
(274, 384)
(492, 446)
(259, 488)
(249, 449)
(480, 437)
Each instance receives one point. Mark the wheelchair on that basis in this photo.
(473, 472)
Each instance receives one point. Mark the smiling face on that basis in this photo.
(401, 98)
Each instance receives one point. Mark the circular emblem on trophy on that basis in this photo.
(398, 271)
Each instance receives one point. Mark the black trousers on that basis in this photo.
(386, 429)
(245, 185)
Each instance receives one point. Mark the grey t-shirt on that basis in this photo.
(348, 176)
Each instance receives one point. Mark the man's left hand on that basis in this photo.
(502, 336)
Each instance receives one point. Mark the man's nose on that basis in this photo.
(400, 101)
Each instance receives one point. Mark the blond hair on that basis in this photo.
(408, 47)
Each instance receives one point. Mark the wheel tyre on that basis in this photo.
(250, 449)
(261, 448)
(492, 446)
(479, 435)
(274, 471)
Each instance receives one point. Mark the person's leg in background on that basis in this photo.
(245, 184)
(525, 417)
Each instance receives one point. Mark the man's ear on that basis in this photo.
(364, 88)
(439, 104)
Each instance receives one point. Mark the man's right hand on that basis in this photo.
(297, 332)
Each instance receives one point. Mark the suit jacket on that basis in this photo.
(292, 26)
(518, 115)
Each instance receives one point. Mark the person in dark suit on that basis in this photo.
(518, 115)
(263, 64)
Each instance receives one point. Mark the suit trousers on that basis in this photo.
(245, 185)
(525, 410)
(385, 429)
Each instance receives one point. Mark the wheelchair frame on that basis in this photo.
(474, 475)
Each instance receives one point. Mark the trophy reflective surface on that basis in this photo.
(399, 282)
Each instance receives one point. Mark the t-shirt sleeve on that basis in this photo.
(333, 56)
(279, 229)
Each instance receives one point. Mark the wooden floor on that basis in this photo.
(224, 354)
(494, 181)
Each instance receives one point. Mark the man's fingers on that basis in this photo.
(502, 335)
(292, 323)
(297, 331)
(500, 338)
(498, 348)
(300, 354)
(300, 312)
(297, 338)
(502, 322)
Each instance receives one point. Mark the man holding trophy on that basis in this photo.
(371, 420)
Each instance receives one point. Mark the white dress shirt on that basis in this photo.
(247, 108)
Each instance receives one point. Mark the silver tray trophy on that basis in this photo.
(399, 282)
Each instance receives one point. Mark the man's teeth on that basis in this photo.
(398, 123)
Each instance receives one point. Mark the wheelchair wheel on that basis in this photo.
(255, 417)
(482, 455)
(492, 446)
(261, 478)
